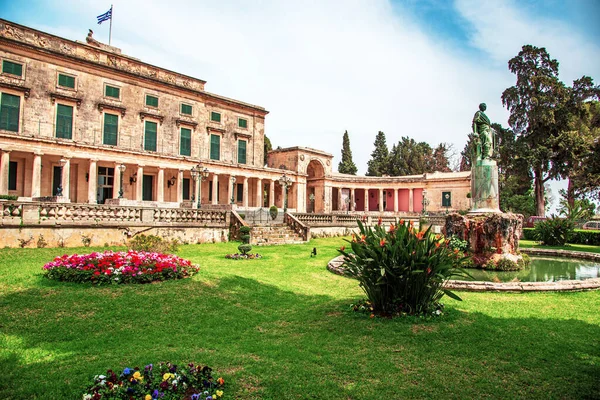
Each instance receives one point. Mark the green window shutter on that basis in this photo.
(64, 122)
(215, 147)
(112, 91)
(446, 199)
(241, 152)
(12, 68)
(111, 128)
(185, 142)
(240, 192)
(215, 116)
(186, 189)
(242, 123)
(9, 112)
(12, 175)
(66, 81)
(151, 101)
(186, 109)
(150, 136)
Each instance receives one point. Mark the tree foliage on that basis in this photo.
(346, 165)
(378, 164)
(267, 147)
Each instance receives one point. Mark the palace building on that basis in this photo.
(82, 123)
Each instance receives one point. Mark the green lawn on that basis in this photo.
(571, 247)
(280, 328)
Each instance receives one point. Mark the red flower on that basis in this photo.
(221, 381)
(342, 248)
(97, 273)
(392, 228)
(379, 221)
(382, 242)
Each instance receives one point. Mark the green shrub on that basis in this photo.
(242, 216)
(273, 212)
(401, 271)
(244, 248)
(8, 197)
(553, 231)
(245, 238)
(456, 243)
(244, 230)
(528, 234)
(152, 243)
(580, 236)
(505, 264)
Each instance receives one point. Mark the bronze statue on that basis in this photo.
(483, 134)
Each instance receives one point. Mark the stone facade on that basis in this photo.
(83, 123)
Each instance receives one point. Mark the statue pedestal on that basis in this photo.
(484, 187)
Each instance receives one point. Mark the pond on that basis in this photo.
(543, 269)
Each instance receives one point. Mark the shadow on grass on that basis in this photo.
(270, 343)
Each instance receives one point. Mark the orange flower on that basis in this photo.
(420, 235)
(438, 236)
(392, 228)
(401, 222)
(428, 270)
(362, 238)
(342, 248)
(437, 244)
(220, 381)
(379, 221)
(455, 251)
(353, 238)
(412, 223)
(382, 242)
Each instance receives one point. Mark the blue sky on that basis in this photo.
(415, 68)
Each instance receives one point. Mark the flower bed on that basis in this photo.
(247, 256)
(165, 381)
(112, 267)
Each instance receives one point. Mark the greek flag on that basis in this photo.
(104, 17)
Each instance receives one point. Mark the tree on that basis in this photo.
(378, 164)
(409, 158)
(439, 159)
(267, 147)
(347, 166)
(534, 103)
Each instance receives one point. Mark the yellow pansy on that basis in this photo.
(137, 375)
(219, 393)
(148, 397)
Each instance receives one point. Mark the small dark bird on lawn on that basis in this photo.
(313, 253)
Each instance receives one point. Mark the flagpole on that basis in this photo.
(110, 29)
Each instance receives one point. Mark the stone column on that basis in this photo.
(117, 182)
(93, 182)
(366, 196)
(272, 193)
(4, 165)
(410, 200)
(66, 179)
(259, 193)
(180, 186)
(36, 176)
(352, 200)
(139, 187)
(160, 185)
(230, 191)
(328, 198)
(340, 200)
(215, 189)
(380, 200)
(395, 200)
(245, 202)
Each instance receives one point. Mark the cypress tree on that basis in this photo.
(347, 166)
(378, 164)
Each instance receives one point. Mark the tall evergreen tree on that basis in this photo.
(378, 164)
(347, 166)
(267, 148)
(409, 157)
(439, 159)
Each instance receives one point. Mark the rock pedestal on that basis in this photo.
(490, 236)
(484, 187)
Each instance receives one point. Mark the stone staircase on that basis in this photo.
(273, 234)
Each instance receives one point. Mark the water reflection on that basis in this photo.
(543, 269)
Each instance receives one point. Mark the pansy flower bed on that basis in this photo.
(112, 267)
(164, 381)
(247, 256)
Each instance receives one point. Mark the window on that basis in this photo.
(9, 67)
(446, 199)
(111, 127)
(185, 142)
(111, 91)
(186, 109)
(210, 191)
(241, 152)
(151, 101)
(150, 136)
(242, 123)
(215, 147)
(64, 121)
(12, 175)
(9, 112)
(240, 192)
(215, 116)
(186, 188)
(66, 81)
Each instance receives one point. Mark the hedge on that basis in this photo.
(579, 236)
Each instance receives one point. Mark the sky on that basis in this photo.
(416, 68)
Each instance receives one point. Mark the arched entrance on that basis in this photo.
(315, 187)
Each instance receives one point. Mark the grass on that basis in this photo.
(571, 247)
(280, 328)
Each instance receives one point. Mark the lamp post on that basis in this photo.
(194, 173)
(121, 169)
(425, 202)
(311, 197)
(59, 189)
(202, 176)
(285, 182)
(232, 189)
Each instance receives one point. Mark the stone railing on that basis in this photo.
(297, 226)
(235, 224)
(346, 219)
(74, 214)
